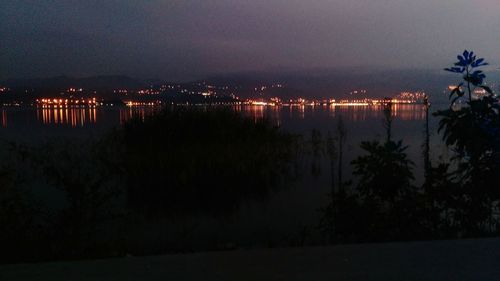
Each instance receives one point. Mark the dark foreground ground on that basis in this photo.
(440, 260)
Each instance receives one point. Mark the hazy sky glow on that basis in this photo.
(185, 39)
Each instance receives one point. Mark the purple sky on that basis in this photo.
(187, 39)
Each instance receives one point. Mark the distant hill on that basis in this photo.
(64, 82)
(314, 83)
(339, 83)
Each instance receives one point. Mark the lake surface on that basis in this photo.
(286, 215)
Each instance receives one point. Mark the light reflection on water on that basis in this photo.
(403, 112)
(67, 116)
(88, 116)
(140, 112)
(74, 117)
(3, 120)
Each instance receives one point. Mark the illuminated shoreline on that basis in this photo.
(273, 102)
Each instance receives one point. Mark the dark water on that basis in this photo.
(38, 124)
(286, 216)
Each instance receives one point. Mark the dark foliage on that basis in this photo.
(188, 160)
(384, 172)
(458, 198)
(176, 163)
(17, 218)
(471, 128)
(383, 205)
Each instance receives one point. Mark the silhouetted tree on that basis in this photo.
(84, 171)
(332, 218)
(426, 145)
(317, 151)
(384, 205)
(470, 126)
(341, 139)
(332, 152)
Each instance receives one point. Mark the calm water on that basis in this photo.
(37, 124)
(285, 214)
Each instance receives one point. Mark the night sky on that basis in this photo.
(188, 39)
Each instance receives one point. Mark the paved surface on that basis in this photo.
(471, 260)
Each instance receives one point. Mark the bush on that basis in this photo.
(189, 160)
